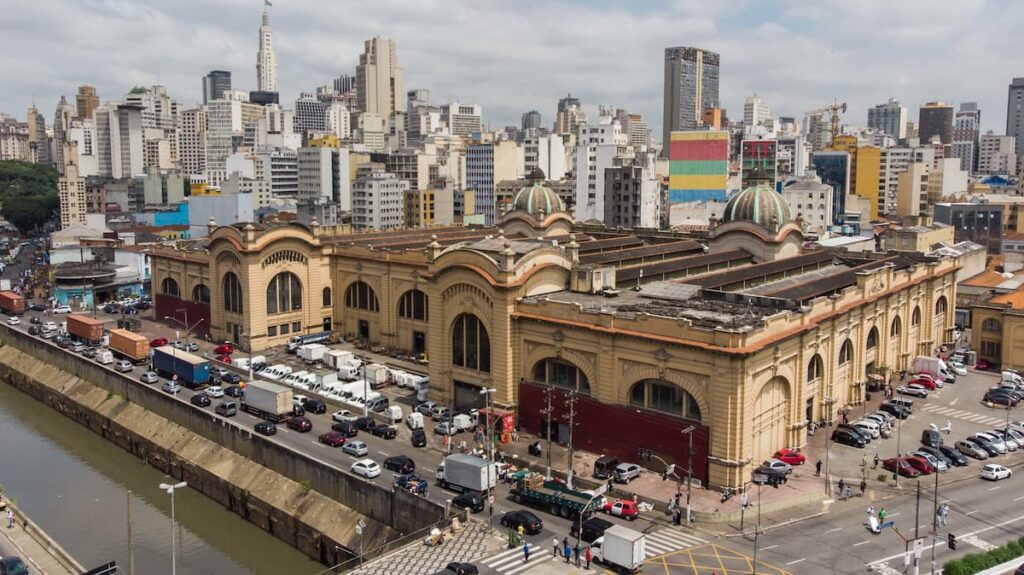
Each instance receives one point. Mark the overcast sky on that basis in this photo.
(515, 55)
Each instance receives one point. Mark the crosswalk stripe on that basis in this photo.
(524, 566)
(511, 556)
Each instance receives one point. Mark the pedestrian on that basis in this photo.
(863, 486)
(526, 552)
(520, 530)
(10, 519)
(554, 547)
(635, 499)
(568, 552)
(817, 469)
(846, 418)
(881, 516)
(588, 557)
(876, 461)
(841, 485)
(871, 511)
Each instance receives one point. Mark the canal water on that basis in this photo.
(74, 485)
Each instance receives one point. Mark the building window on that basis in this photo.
(846, 352)
(894, 330)
(201, 294)
(169, 287)
(327, 297)
(991, 324)
(560, 373)
(815, 368)
(284, 329)
(666, 397)
(991, 349)
(284, 293)
(271, 331)
(471, 347)
(296, 326)
(413, 305)
(915, 318)
(360, 295)
(872, 342)
(232, 293)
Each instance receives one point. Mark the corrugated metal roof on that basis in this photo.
(681, 264)
(656, 250)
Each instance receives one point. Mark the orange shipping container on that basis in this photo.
(12, 303)
(85, 327)
(130, 345)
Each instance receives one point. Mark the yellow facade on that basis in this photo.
(997, 330)
(325, 141)
(867, 176)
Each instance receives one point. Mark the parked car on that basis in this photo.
(200, 400)
(998, 398)
(446, 428)
(472, 501)
(995, 472)
(13, 565)
(265, 428)
(231, 378)
(332, 438)
(149, 377)
(999, 444)
(847, 437)
(854, 429)
(902, 465)
(790, 456)
(224, 349)
(937, 454)
(419, 438)
(931, 438)
(622, 508)
(356, 448)
(774, 467)
(985, 446)
(921, 464)
(347, 428)
(158, 342)
(368, 468)
(426, 407)
(385, 431)
(462, 568)
(1006, 438)
(957, 367)
(300, 424)
(937, 464)
(365, 423)
(913, 389)
(955, 456)
(400, 464)
(925, 382)
(626, 472)
(530, 522)
(871, 428)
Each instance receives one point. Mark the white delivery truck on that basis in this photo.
(322, 380)
(467, 473)
(337, 357)
(349, 371)
(312, 352)
(422, 387)
(620, 547)
(935, 367)
(377, 375)
(399, 378)
(268, 400)
(462, 422)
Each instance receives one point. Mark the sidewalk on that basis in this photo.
(42, 554)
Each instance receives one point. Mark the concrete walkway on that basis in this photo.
(35, 548)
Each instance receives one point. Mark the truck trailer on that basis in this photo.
(467, 473)
(192, 371)
(554, 496)
(299, 340)
(127, 345)
(267, 400)
(85, 328)
(12, 303)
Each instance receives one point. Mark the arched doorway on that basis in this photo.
(769, 413)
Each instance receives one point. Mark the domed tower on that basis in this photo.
(535, 198)
(536, 210)
(759, 204)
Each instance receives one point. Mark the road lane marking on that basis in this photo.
(888, 515)
(996, 487)
(384, 454)
(982, 530)
(954, 401)
(837, 529)
(1019, 498)
(972, 512)
(769, 547)
(801, 560)
(865, 542)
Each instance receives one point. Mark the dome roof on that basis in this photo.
(536, 198)
(759, 204)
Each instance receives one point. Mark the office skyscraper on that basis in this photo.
(379, 79)
(531, 120)
(266, 60)
(691, 86)
(936, 118)
(966, 128)
(1015, 113)
(86, 102)
(215, 84)
(890, 118)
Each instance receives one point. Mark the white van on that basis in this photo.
(294, 378)
(348, 371)
(276, 372)
(462, 422)
(394, 413)
(105, 357)
(1011, 377)
(414, 420)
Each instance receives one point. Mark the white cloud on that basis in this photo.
(515, 56)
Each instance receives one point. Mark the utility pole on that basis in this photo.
(689, 470)
(757, 529)
(131, 550)
(547, 413)
(917, 511)
(570, 413)
(935, 518)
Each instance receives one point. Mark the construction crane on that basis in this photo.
(834, 109)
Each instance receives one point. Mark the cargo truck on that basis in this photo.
(349, 371)
(377, 375)
(621, 548)
(12, 303)
(85, 328)
(934, 367)
(299, 340)
(192, 371)
(337, 357)
(267, 400)
(553, 496)
(131, 346)
(467, 473)
(312, 352)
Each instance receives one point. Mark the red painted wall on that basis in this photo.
(167, 305)
(619, 430)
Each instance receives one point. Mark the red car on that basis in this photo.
(921, 464)
(333, 438)
(790, 456)
(623, 508)
(224, 358)
(927, 383)
(905, 468)
(225, 349)
(159, 342)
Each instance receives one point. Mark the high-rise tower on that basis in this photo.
(1015, 113)
(691, 87)
(379, 79)
(266, 61)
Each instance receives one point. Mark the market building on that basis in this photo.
(739, 338)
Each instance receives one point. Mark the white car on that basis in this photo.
(62, 309)
(957, 367)
(871, 428)
(13, 321)
(49, 326)
(214, 391)
(368, 468)
(995, 472)
(356, 448)
(344, 415)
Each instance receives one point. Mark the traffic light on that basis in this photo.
(951, 541)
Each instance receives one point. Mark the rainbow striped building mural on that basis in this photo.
(698, 166)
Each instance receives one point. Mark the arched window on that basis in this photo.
(561, 373)
(169, 287)
(815, 368)
(471, 347)
(872, 342)
(201, 294)
(284, 293)
(897, 325)
(915, 318)
(664, 396)
(360, 295)
(232, 293)
(846, 352)
(991, 324)
(413, 305)
(327, 297)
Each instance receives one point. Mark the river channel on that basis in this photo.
(75, 485)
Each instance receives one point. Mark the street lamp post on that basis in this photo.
(828, 420)
(486, 392)
(171, 488)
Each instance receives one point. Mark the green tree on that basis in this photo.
(28, 194)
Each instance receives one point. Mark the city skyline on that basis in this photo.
(809, 51)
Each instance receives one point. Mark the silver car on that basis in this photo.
(149, 377)
(356, 448)
(935, 462)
